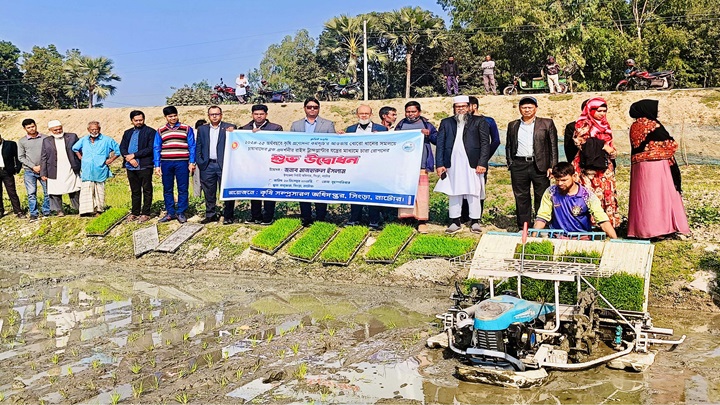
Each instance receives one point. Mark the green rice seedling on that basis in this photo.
(96, 364)
(205, 345)
(208, 359)
(440, 246)
(312, 240)
(186, 337)
(182, 398)
(301, 371)
(536, 250)
(91, 385)
(345, 244)
(33, 366)
(295, 348)
(591, 257)
(137, 389)
(389, 242)
(74, 352)
(331, 332)
(55, 359)
(2, 396)
(270, 337)
(156, 382)
(102, 224)
(69, 371)
(270, 238)
(153, 362)
(135, 368)
(224, 381)
(281, 354)
(193, 368)
(239, 373)
(114, 398)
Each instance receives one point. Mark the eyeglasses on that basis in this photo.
(312, 107)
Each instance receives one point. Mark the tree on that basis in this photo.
(13, 93)
(345, 37)
(44, 74)
(89, 76)
(196, 94)
(292, 63)
(411, 28)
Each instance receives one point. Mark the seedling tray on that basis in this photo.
(449, 255)
(279, 246)
(352, 256)
(391, 261)
(110, 228)
(312, 259)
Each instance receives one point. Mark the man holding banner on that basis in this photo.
(463, 152)
(315, 124)
(259, 214)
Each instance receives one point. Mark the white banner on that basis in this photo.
(371, 169)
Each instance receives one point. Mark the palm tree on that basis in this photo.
(411, 28)
(89, 76)
(347, 38)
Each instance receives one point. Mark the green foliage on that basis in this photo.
(89, 77)
(195, 94)
(308, 245)
(536, 250)
(440, 246)
(105, 221)
(591, 257)
(703, 216)
(389, 242)
(45, 75)
(275, 234)
(439, 116)
(344, 245)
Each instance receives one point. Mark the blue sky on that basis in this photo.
(157, 45)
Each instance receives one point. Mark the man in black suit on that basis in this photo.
(531, 150)
(463, 151)
(136, 147)
(209, 154)
(9, 167)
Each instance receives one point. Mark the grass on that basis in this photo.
(389, 242)
(440, 246)
(105, 221)
(271, 237)
(344, 245)
(312, 240)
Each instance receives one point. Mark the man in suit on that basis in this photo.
(9, 167)
(136, 147)
(315, 124)
(462, 158)
(259, 214)
(365, 126)
(210, 151)
(531, 151)
(60, 167)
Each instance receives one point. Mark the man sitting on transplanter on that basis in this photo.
(569, 206)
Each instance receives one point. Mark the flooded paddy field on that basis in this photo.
(85, 331)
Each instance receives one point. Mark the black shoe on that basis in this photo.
(208, 220)
(20, 215)
(181, 218)
(228, 221)
(167, 218)
(265, 223)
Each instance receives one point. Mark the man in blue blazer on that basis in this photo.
(209, 154)
(365, 126)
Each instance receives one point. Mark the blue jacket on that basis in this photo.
(144, 155)
(431, 139)
(494, 135)
(375, 128)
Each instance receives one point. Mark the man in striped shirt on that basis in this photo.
(174, 158)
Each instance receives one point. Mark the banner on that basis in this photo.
(372, 169)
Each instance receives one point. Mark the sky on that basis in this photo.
(156, 45)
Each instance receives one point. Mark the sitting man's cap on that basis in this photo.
(528, 100)
(461, 99)
(54, 123)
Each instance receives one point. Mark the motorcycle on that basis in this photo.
(274, 96)
(223, 93)
(521, 82)
(642, 80)
(329, 91)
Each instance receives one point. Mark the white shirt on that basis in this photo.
(525, 138)
(367, 130)
(2, 161)
(214, 136)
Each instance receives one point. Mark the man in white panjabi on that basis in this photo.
(241, 84)
(60, 167)
(463, 151)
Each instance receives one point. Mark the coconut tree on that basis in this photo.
(410, 28)
(345, 37)
(90, 76)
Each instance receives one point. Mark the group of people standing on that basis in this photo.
(584, 194)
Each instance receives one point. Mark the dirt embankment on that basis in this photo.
(691, 116)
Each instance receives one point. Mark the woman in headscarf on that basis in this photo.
(656, 206)
(595, 160)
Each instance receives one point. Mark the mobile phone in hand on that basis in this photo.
(443, 176)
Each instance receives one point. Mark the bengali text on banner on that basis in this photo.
(370, 169)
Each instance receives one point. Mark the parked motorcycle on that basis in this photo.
(223, 93)
(274, 96)
(522, 82)
(642, 80)
(329, 91)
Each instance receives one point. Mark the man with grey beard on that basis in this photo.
(463, 151)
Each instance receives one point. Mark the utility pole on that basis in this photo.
(365, 58)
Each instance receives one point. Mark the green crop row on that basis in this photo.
(307, 246)
(536, 250)
(440, 246)
(389, 242)
(344, 245)
(272, 236)
(105, 221)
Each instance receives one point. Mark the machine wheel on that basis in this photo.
(621, 87)
(563, 88)
(510, 90)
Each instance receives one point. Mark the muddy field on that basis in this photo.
(82, 330)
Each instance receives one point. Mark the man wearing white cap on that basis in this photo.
(462, 159)
(60, 167)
